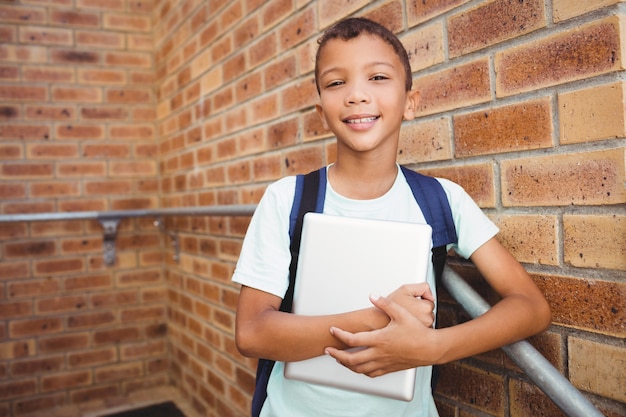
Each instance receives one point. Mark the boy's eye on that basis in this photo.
(379, 78)
(334, 83)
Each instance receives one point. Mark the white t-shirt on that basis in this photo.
(264, 265)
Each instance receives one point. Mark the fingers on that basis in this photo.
(421, 290)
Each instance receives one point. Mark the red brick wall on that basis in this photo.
(207, 102)
(78, 132)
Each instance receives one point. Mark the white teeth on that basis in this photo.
(363, 120)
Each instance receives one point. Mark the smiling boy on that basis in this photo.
(364, 82)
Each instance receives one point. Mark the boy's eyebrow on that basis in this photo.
(371, 64)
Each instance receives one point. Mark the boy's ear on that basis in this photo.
(411, 105)
(320, 113)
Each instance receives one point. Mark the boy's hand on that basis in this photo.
(406, 342)
(418, 299)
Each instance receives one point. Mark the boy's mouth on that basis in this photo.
(361, 120)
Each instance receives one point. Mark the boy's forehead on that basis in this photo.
(363, 43)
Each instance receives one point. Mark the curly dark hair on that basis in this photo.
(355, 26)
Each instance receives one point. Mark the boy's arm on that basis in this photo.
(264, 331)
(404, 343)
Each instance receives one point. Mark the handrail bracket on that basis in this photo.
(110, 234)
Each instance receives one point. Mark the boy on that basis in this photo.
(364, 82)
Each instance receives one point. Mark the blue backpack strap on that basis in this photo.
(433, 202)
(309, 196)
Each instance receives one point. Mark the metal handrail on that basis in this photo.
(539, 370)
(558, 388)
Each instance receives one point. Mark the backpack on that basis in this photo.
(309, 197)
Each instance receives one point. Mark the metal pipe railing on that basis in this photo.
(571, 401)
(538, 369)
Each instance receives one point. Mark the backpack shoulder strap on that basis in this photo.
(433, 201)
(309, 197)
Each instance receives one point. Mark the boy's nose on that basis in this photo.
(356, 95)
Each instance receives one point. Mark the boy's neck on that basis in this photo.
(362, 180)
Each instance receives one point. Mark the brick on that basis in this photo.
(128, 59)
(16, 309)
(50, 112)
(88, 282)
(45, 36)
(20, 388)
(74, 19)
(118, 335)
(55, 228)
(329, 11)
(11, 191)
(483, 390)
(476, 180)
(58, 266)
(24, 132)
(118, 372)
(298, 28)
(77, 169)
(108, 187)
(74, 57)
(566, 9)
(52, 151)
(125, 22)
(83, 205)
(108, 151)
(131, 132)
(89, 395)
(17, 14)
(126, 96)
(493, 22)
(425, 46)
(65, 380)
(91, 320)
(595, 241)
(528, 400)
(9, 112)
(8, 152)
(579, 53)
(420, 11)
(77, 94)
(389, 14)
(24, 54)
(516, 127)
(593, 305)
(29, 249)
(37, 366)
(48, 74)
(54, 189)
(425, 141)
(460, 86)
(579, 120)
(103, 77)
(138, 278)
(530, 238)
(69, 303)
(99, 39)
(81, 245)
(104, 113)
(279, 72)
(597, 368)
(17, 349)
(23, 93)
(63, 343)
(91, 358)
(10, 270)
(33, 288)
(26, 170)
(143, 350)
(101, 4)
(114, 299)
(35, 327)
(39, 404)
(133, 168)
(28, 207)
(546, 181)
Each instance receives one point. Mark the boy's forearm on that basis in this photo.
(287, 337)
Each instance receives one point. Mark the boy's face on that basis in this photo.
(363, 99)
